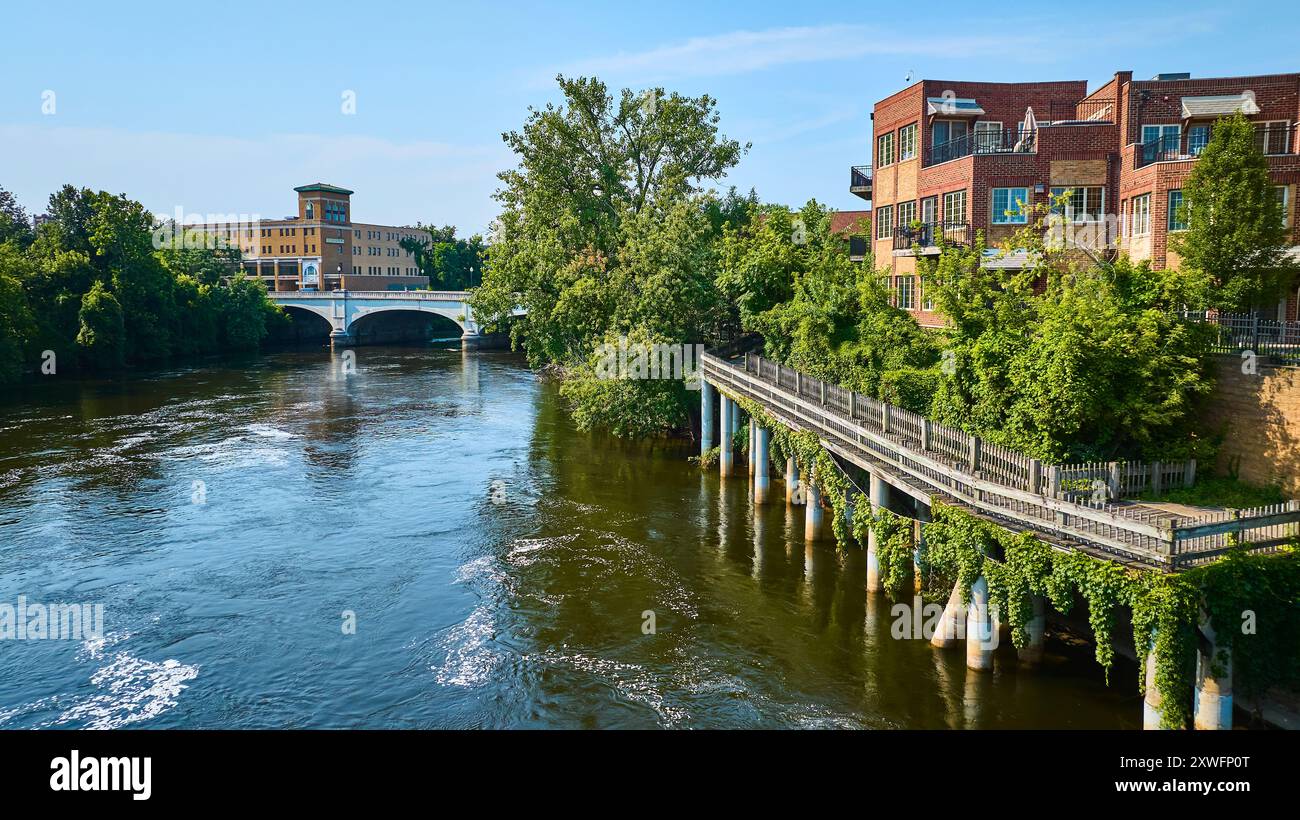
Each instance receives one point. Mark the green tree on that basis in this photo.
(450, 262)
(17, 327)
(15, 226)
(1235, 236)
(604, 233)
(102, 336)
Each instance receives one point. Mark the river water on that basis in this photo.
(425, 541)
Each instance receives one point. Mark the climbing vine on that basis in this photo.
(1252, 600)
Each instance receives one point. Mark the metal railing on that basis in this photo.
(989, 141)
(423, 295)
(1071, 505)
(1272, 341)
(1270, 140)
(928, 234)
(860, 179)
(1102, 110)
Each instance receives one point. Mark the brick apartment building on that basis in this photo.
(321, 248)
(957, 156)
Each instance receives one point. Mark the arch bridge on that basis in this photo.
(344, 309)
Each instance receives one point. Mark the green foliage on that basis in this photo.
(1224, 491)
(102, 337)
(895, 544)
(838, 322)
(1096, 366)
(103, 286)
(450, 262)
(604, 234)
(1235, 237)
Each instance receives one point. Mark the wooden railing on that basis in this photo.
(1073, 506)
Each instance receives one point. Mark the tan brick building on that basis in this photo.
(322, 248)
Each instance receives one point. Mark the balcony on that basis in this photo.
(988, 141)
(860, 181)
(924, 238)
(1271, 140)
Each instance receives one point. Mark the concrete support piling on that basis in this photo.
(981, 628)
(812, 520)
(726, 455)
(878, 491)
(792, 494)
(708, 399)
(1212, 700)
(948, 632)
(918, 555)
(1031, 654)
(762, 478)
(1151, 701)
(753, 445)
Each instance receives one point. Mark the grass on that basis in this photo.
(1221, 491)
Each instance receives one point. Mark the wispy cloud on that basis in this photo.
(740, 52)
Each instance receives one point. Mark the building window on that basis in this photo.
(1177, 214)
(1167, 136)
(954, 207)
(885, 153)
(929, 207)
(1198, 136)
(1086, 203)
(1282, 192)
(1010, 206)
(1273, 137)
(1142, 215)
(907, 142)
(906, 213)
(906, 287)
(884, 222)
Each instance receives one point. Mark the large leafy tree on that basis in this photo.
(14, 223)
(605, 233)
(1235, 236)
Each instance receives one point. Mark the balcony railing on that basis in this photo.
(989, 141)
(1083, 111)
(1274, 342)
(860, 181)
(1271, 140)
(928, 234)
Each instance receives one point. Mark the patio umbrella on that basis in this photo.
(1027, 129)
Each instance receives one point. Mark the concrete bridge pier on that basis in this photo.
(342, 338)
(981, 628)
(812, 520)
(879, 497)
(922, 518)
(751, 456)
(708, 398)
(726, 455)
(762, 456)
(791, 481)
(1212, 700)
(1032, 653)
(1151, 701)
(952, 622)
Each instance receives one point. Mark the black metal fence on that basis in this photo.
(1269, 340)
(1270, 139)
(927, 234)
(859, 178)
(986, 141)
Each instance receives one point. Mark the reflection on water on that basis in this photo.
(327, 492)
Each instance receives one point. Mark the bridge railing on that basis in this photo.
(426, 295)
(1076, 503)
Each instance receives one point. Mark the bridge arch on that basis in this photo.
(400, 323)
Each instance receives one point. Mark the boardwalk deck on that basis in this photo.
(927, 460)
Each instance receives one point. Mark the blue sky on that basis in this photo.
(225, 107)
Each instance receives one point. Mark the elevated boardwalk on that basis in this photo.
(1069, 506)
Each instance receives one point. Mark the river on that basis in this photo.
(424, 540)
